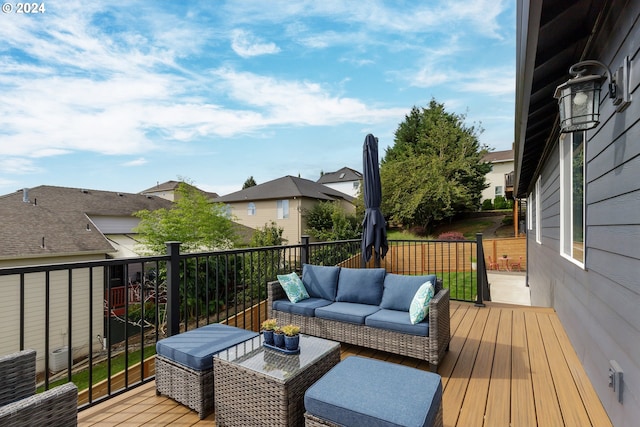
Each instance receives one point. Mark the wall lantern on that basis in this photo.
(579, 97)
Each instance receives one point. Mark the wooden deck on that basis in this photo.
(507, 366)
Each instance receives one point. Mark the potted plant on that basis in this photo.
(268, 326)
(278, 337)
(291, 336)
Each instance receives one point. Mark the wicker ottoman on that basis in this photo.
(184, 364)
(366, 392)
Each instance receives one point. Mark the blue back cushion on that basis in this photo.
(361, 285)
(399, 290)
(320, 281)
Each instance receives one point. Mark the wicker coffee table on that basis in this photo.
(257, 386)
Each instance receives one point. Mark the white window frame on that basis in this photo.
(251, 209)
(538, 196)
(566, 198)
(282, 208)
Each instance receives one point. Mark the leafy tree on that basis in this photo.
(327, 221)
(193, 220)
(434, 169)
(262, 266)
(250, 182)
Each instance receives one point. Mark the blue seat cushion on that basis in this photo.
(195, 349)
(347, 312)
(400, 289)
(366, 392)
(398, 321)
(306, 307)
(361, 285)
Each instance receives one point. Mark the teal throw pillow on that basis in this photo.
(293, 287)
(419, 307)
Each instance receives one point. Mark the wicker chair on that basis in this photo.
(19, 403)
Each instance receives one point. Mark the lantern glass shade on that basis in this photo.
(579, 102)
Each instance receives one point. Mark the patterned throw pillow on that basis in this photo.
(419, 307)
(293, 287)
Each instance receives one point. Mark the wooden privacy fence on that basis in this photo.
(424, 257)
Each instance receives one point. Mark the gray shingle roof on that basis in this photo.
(341, 175)
(60, 215)
(285, 188)
(172, 186)
(499, 156)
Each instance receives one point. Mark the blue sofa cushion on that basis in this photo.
(195, 348)
(398, 321)
(369, 392)
(320, 281)
(400, 289)
(361, 285)
(347, 312)
(306, 307)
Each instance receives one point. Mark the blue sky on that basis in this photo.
(120, 95)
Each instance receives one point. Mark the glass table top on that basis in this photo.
(251, 354)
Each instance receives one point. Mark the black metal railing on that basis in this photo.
(110, 313)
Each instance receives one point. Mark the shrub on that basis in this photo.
(451, 235)
(500, 202)
(487, 205)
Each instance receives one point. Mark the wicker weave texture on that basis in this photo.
(190, 387)
(431, 349)
(21, 406)
(245, 397)
(313, 421)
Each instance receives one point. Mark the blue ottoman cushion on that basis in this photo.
(195, 349)
(366, 392)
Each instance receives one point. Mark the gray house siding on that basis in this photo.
(599, 305)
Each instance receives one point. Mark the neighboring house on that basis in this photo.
(345, 180)
(167, 190)
(499, 177)
(283, 201)
(583, 188)
(51, 225)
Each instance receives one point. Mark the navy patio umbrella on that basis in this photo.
(374, 231)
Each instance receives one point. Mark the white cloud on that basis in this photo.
(247, 45)
(18, 166)
(137, 162)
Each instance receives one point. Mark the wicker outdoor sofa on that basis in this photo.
(368, 308)
(19, 403)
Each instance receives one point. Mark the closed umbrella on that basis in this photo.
(374, 231)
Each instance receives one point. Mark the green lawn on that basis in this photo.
(81, 379)
(461, 285)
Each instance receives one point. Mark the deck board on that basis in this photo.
(507, 366)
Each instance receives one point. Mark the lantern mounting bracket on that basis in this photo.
(577, 70)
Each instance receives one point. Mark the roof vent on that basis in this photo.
(85, 191)
(25, 195)
(120, 194)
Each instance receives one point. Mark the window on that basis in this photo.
(283, 209)
(572, 197)
(499, 191)
(538, 216)
(356, 185)
(251, 209)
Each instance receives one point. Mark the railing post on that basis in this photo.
(173, 289)
(304, 251)
(481, 276)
